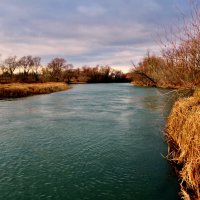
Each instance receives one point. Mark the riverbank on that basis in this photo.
(148, 83)
(16, 90)
(183, 137)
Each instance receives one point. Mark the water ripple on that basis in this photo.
(90, 142)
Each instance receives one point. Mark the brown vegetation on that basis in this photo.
(183, 135)
(178, 64)
(28, 69)
(157, 71)
(15, 90)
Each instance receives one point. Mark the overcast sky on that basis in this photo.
(85, 32)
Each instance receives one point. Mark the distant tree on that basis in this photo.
(3, 68)
(36, 65)
(77, 76)
(118, 74)
(3, 74)
(105, 72)
(45, 75)
(26, 63)
(56, 67)
(10, 65)
(100, 74)
(68, 73)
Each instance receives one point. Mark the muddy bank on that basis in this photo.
(16, 90)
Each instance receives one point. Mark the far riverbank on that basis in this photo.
(16, 90)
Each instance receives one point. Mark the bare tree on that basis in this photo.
(36, 64)
(68, 73)
(11, 63)
(179, 63)
(3, 69)
(26, 63)
(56, 67)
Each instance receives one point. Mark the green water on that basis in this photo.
(92, 142)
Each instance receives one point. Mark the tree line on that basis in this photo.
(178, 64)
(29, 69)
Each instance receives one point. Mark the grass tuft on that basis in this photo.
(183, 135)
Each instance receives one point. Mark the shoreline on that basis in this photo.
(158, 86)
(183, 138)
(182, 132)
(17, 90)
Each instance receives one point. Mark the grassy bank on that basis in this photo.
(15, 90)
(150, 84)
(183, 134)
(177, 66)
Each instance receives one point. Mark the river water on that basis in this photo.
(92, 142)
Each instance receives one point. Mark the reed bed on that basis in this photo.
(15, 90)
(183, 135)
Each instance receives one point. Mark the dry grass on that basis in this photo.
(197, 93)
(15, 90)
(183, 133)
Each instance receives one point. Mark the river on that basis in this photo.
(92, 142)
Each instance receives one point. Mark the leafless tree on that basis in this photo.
(55, 67)
(179, 62)
(68, 73)
(11, 63)
(26, 63)
(36, 64)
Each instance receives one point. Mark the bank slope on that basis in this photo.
(183, 134)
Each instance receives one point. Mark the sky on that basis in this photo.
(86, 32)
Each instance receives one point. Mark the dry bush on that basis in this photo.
(179, 62)
(183, 133)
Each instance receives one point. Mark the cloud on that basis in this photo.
(84, 32)
(93, 10)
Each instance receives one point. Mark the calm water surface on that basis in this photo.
(93, 142)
